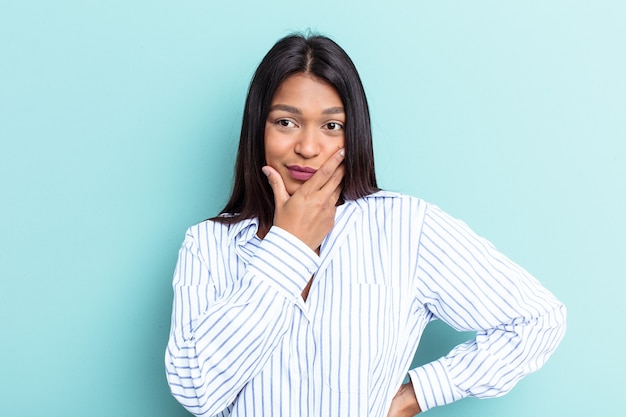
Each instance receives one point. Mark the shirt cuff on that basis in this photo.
(285, 263)
(433, 386)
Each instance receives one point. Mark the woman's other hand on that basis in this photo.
(404, 404)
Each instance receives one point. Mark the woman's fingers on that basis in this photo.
(334, 182)
(327, 171)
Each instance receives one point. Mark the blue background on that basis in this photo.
(118, 129)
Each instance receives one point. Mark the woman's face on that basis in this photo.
(305, 127)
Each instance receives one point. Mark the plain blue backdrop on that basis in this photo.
(118, 129)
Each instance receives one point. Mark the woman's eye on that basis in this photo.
(334, 126)
(285, 123)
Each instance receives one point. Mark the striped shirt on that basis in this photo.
(244, 343)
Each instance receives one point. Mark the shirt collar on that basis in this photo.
(241, 232)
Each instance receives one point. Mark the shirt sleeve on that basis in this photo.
(466, 282)
(218, 343)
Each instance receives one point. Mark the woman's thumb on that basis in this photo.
(276, 182)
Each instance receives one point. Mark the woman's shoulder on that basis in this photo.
(222, 232)
(391, 197)
(392, 204)
(393, 200)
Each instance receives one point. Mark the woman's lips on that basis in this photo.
(300, 173)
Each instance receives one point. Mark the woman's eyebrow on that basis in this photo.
(333, 110)
(295, 110)
(287, 108)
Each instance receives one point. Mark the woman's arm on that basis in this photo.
(467, 283)
(218, 343)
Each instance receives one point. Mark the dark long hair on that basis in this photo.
(321, 57)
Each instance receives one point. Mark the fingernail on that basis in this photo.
(342, 152)
(266, 171)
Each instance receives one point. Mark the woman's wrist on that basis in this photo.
(405, 402)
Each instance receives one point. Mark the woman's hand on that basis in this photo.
(309, 214)
(404, 404)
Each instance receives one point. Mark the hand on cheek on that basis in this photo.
(309, 214)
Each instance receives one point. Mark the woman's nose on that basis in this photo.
(307, 145)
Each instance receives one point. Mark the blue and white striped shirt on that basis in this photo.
(244, 343)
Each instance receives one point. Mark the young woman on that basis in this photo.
(308, 294)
